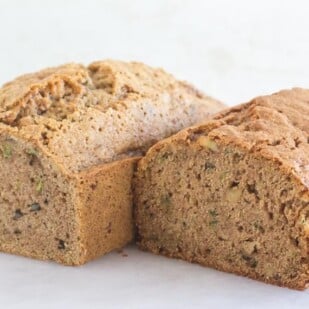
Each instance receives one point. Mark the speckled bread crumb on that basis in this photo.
(233, 193)
(69, 139)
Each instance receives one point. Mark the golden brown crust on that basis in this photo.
(124, 106)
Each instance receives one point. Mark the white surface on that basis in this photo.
(233, 50)
(140, 280)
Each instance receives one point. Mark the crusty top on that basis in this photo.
(100, 113)
(275, 126)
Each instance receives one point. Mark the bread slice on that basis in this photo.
(69, 140)
(233, 193)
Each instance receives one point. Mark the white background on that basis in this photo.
(233, 50)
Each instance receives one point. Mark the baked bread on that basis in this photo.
(69, 139)
(233, 193)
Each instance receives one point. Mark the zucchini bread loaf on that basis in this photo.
(233, 193)
(69, 139)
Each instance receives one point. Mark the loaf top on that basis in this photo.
(100, 113)
(274, 126)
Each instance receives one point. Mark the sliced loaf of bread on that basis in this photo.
(233, 193)
(69, 140)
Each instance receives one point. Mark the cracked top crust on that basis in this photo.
(275, 126)
(104, 112)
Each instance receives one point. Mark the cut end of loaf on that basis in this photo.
(214, 203)
(37, 214)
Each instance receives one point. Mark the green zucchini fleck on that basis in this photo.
(7, 151)
(39, 186)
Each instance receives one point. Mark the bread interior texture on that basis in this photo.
(224, 207)
(37, 208)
